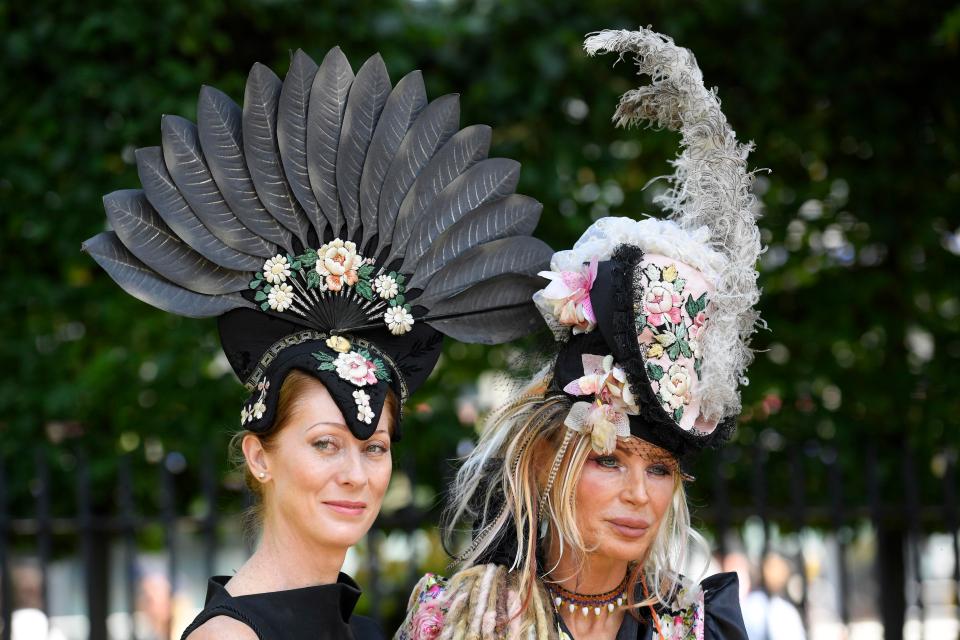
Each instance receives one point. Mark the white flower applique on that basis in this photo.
(362, 400)
(386, 287)
(276, 269)
(399, 320)
(255, 410)
(280, 297)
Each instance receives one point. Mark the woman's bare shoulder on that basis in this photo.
(223, 628)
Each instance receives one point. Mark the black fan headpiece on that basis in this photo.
(335, 224)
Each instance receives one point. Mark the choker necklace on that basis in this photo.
(588, 603)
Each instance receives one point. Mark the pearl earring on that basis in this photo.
(263, 474)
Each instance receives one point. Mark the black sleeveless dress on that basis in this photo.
(323, 612)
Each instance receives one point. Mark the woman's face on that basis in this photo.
(622, 497)
(326, 485)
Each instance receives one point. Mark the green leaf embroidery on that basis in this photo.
(364, 289)
(268, 288)
(398, 299)
(681, 331)
(365, 271)
(685, 348)
(400, 280)
(260, 296)
(678, 284)
(322, 357)
(654, 371)
(308, 258)
(673, 351)
(296, 265)
(265, 306)
(313, 279)
(696, 306)
(678, 414)
(327, 366)
(255, 283)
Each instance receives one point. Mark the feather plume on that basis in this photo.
(486, 181)
(219, 120)
(515, 215)
(260, 100)
(429, 132)
(467, 147)
(368, 94)
(149, 238)
(163, 195)
(403, 105)
(187, 167)
(328, 99)
(292, 135)
(710, 187)
(143, 283)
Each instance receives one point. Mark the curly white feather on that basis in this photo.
(711, 188)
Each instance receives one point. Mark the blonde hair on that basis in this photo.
(524, 451)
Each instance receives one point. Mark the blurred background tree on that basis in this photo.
(853, 107)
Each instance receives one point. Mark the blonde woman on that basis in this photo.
(574, 496)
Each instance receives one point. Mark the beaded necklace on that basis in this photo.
(595, 603)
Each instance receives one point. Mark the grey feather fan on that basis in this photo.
(333, 200)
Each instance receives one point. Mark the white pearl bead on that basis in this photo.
(610, 607)
(585, 610)
(596, 611)
(558, 601)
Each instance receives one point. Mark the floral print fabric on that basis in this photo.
(427, 614)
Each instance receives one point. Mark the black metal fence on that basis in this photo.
(815, 497)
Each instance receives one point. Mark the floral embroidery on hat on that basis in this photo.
(357, 367)
(362, 400)
(386, 286)
(567, 298)
(276, 269)
(399, 320)
(297, 283)
(280, 297)
(255, 410)
(670, 321)
(605, 419)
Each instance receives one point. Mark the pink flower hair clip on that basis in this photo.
(606, 418)
(567, 298)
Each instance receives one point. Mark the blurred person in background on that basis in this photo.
(769, 614)
(575, 493)
(337, 227)
(29, 621)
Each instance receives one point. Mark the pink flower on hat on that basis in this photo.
(356, 369)
(568, 297)
(662, 301)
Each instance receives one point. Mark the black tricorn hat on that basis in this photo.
(336, 224)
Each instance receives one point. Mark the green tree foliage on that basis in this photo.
(851, 107)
